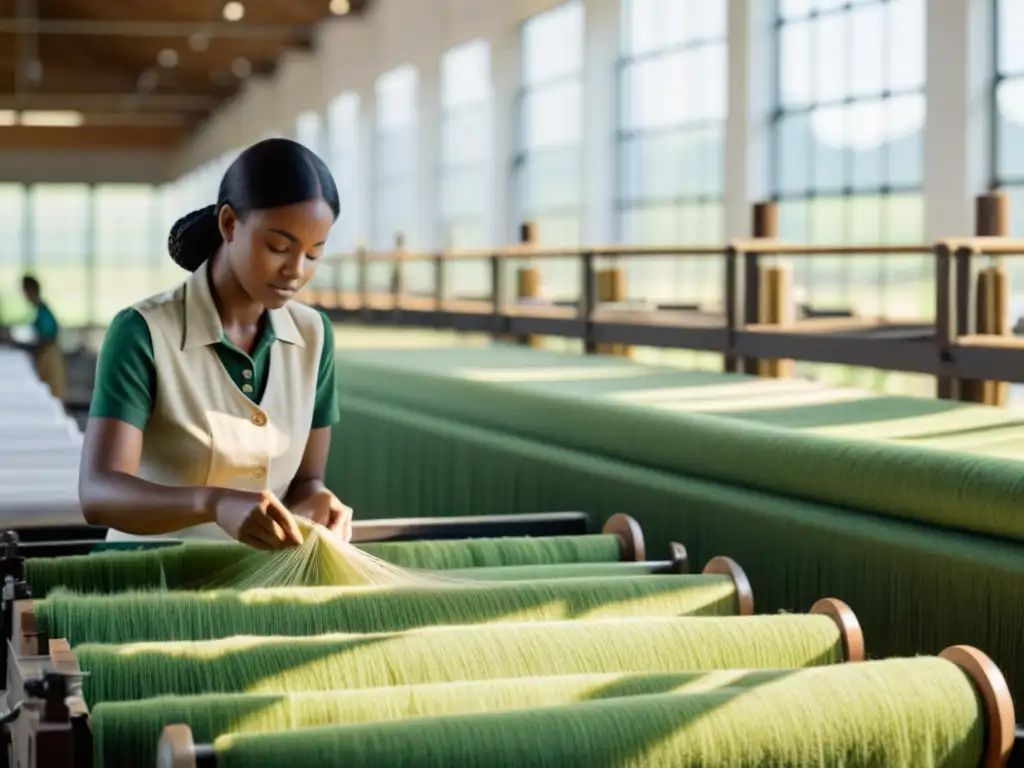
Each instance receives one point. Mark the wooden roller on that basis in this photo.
(631, 536)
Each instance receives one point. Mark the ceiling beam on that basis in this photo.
(235, 30)
(110, 102)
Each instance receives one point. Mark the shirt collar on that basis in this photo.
(203, 326)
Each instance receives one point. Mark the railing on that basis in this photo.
(967, 346)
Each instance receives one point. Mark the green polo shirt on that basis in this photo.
(126, 372)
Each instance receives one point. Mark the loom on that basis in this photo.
(970, 724)
(52, 723)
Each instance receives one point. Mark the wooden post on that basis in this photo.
(398, 272)
(528, 280)
(768, 292)
(776, 309)
(611, 287)
(991, 292)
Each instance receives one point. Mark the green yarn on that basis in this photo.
(899, 713)
(557, 571)
(915, 588)
(197, 563)
(449, 654)
(156, 616)
(914, 477)
(124, 733)
(491, 553)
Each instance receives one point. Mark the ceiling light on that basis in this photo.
(8, 117)
(340, 7)
(241, 67)
(167, 58)
(52, 118)
(233, 11)
(199, 41)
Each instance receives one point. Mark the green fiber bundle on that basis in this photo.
(557, 571)
(443, 654)
(916, 588)
(905, 479)
(124, 733)
(156, 616)
(196, 564)
(903, 712)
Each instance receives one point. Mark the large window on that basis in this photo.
(172, 205)
(848, 149)
(465, 151)
(671, 125)
(12, 255)
(395, 158)
(465, 161)
(60, 227)
(550, 121)
(126, 217)
(309, 131)
(1008, 145)
(344, 158)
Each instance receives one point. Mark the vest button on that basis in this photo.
(259, 419)
(247, 389)
(260, 473)
(247, 374)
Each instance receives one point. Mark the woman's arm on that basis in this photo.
(109, 491)
(112, 496)
(309, 479)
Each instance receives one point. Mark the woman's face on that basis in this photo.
(274, 252)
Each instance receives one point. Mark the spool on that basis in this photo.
(631, 536)
(178, 750)
(849, 627)
(679, 557)
(726, 566)
(995, 696)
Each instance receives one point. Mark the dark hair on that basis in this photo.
(30, 285)
(270, 174)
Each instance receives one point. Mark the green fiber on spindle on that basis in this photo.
(489, 553)
(200, 564)
(556, 571)
(155, 616)
(453, 653)
(124, 732)
(897, 713)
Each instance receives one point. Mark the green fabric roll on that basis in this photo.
(155, 616)
(198, 564)
(906, 478)
(124, 733)
(458, 653)
(915, 588)
(893, 713)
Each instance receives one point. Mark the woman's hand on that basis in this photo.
(258, 519)
(325, 508)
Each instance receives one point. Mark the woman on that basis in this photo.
(214, 402)
(45, 349)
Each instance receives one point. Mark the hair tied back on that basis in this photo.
(195, 238)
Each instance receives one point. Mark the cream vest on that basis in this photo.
(204, 431)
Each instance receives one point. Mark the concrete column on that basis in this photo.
(602, 19)
(958, 82)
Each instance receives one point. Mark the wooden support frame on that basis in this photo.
(44, 684)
